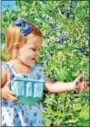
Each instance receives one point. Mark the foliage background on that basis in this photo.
(64, 54)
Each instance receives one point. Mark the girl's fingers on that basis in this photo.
(84, 86)
(81, 83)
(11, 92)
(12, 98)
(79, 79)
(7, 93)
(8, 89)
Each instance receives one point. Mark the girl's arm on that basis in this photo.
(57, 87)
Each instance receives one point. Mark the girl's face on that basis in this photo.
(30, 51)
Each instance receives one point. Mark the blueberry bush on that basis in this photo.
(64, 54)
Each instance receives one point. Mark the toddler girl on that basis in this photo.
(23, 43)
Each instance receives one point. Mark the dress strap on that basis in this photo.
(11, 68)
(11, 71)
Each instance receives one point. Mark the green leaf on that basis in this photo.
(84, 113)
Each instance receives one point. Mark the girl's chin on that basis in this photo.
(32, 62)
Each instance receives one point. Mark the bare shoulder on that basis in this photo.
(4, 75)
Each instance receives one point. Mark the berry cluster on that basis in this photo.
(62, 36)
(68, 13)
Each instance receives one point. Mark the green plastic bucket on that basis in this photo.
(28, 91)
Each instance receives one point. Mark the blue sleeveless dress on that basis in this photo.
(22, 114)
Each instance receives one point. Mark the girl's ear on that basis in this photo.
(15, 48)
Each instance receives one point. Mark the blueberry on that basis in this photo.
(53, 25)
(63, 11)
(71, 17)
(68, 14)
(73, 42)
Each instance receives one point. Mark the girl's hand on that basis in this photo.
(8, 94)
(81, 84)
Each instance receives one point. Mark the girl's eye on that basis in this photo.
(33, 49)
